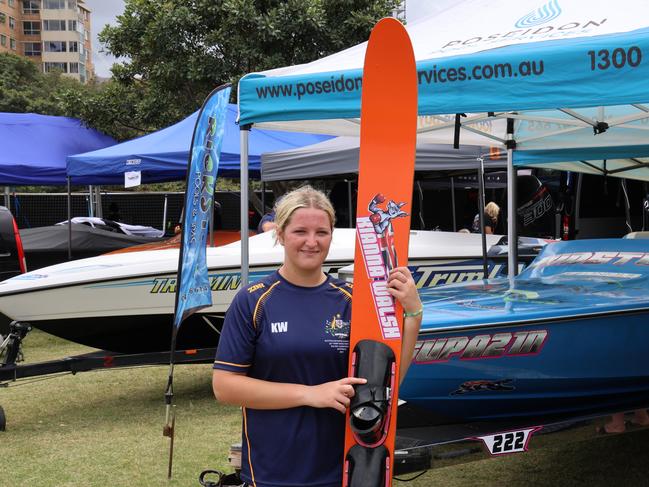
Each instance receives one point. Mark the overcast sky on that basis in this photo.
(105, 11)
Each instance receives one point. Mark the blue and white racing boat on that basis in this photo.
(568, 337)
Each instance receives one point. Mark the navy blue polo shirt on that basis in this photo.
(279, 332)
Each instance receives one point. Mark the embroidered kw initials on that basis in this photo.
(279, 327)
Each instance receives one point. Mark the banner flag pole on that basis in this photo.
(193, 290)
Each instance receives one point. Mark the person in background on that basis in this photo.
(267, 222)
(113, 212)
(491, 212)
(284, 350)
(617, 424)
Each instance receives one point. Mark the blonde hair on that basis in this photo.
(492, 209)
(303, 197)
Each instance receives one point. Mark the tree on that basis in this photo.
(121, 111)
(24, 88)
(176, 51)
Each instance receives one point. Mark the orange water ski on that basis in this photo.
(386, 173)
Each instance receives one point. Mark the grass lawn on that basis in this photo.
(104, 428)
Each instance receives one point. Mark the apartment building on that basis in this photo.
(53, 33)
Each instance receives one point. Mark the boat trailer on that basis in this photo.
(423, 442)
(11, 355)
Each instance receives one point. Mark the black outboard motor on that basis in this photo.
(535, 208)
(11, 345)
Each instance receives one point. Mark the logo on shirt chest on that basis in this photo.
(279, 327)
(338, 328)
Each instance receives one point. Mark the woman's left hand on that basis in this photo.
(402, 287)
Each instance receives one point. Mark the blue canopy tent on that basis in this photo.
(163, 155)
(565, 75)
(35, 147)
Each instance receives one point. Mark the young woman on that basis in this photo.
(283, 353)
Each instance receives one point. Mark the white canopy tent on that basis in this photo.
(339, 156)
(552, 82)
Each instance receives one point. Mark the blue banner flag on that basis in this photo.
(193, 287)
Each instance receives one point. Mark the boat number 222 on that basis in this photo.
(508, 442)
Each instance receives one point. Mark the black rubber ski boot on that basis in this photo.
(367, 467)
(370, 407)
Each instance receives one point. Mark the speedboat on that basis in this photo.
(45, 246)
(565, 338)
(124, 302)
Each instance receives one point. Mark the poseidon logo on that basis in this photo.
(541, 15)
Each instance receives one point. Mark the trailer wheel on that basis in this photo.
(3, 419)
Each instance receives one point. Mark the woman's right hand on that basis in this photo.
(336, 394)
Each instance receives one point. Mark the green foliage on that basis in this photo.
(24, 88)
(176, 51)
(123, 112)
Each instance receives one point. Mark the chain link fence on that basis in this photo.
(141, 208)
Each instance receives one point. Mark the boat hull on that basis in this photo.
(136, 333)
(567, 337)
(135, 315)
(579, 365)
(123, 302)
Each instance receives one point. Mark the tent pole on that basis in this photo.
(481, 204)
(69, 218)
(453, 203)
(164, 214)
(263, 198)
(420, 192)
(512, 238)
(580, 180)
(91, 209)
(349, 203)
(99, 210)
(244, 135)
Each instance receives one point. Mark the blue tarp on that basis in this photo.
(162, 155)
(33, 148)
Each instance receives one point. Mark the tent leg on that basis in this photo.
(244, 134)
(69, 218)
(512, 238)
(164, 214)
(420, 193)
(481, 203)
(263, 198)
(91, 199)
(580, 180)
(453, 204)
(349, 204)
(99, 210)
